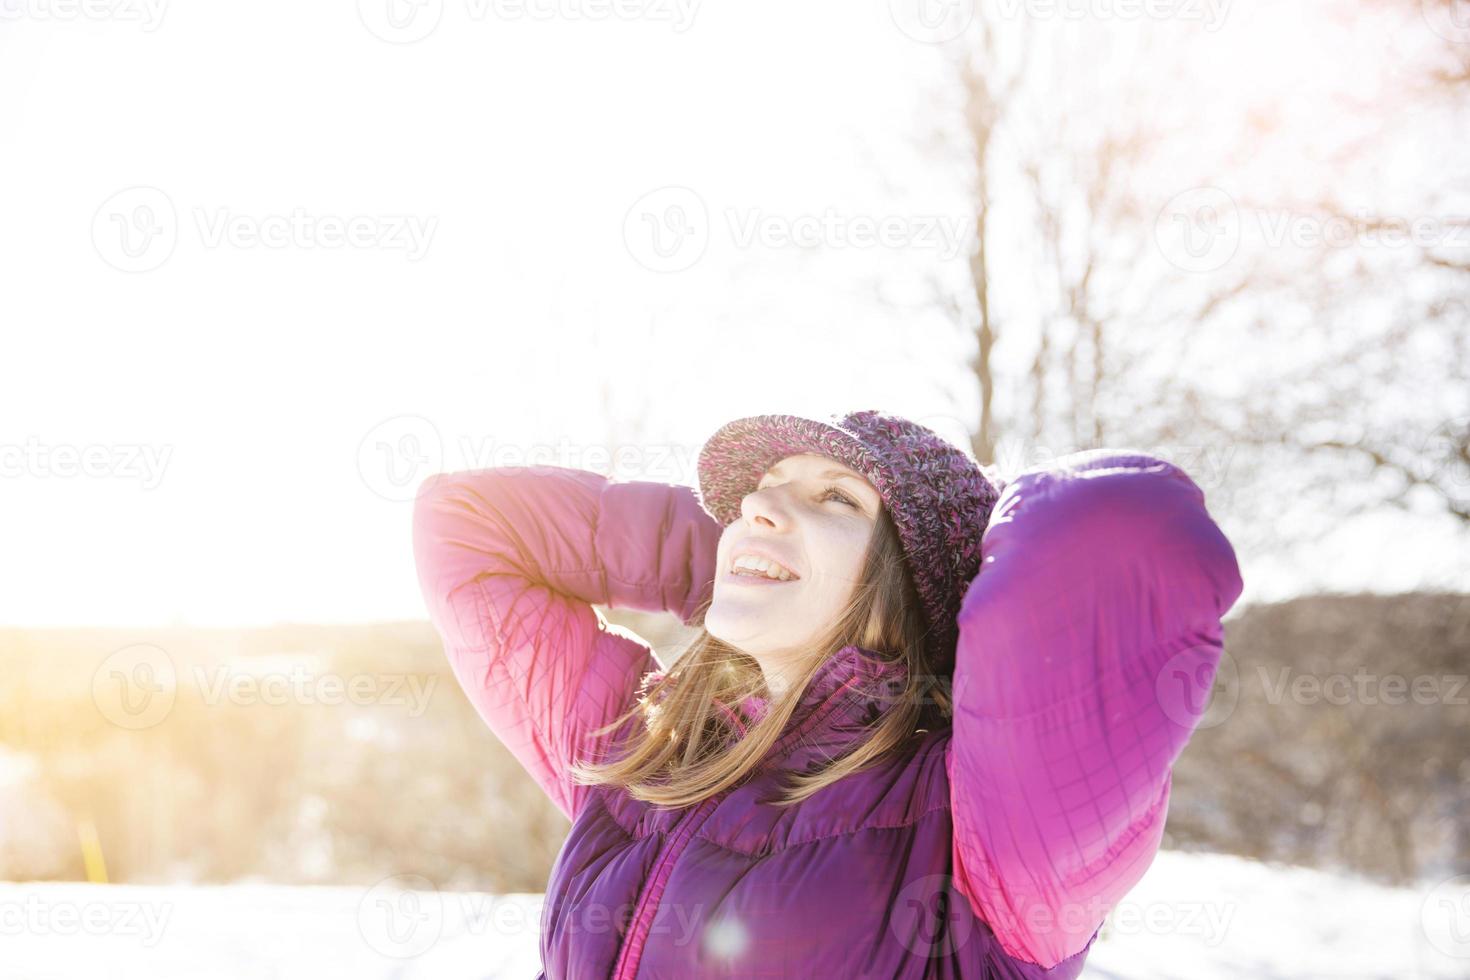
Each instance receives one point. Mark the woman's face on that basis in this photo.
(813, 516)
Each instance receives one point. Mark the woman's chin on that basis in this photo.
(745, 626)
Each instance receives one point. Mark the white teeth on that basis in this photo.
(770, 569)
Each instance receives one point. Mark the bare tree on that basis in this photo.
(986, 100)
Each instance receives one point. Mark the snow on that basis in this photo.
(54, 930)
(1209, 916)
(1202, 916)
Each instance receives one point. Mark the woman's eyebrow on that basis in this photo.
(832, 474)
(826, 474)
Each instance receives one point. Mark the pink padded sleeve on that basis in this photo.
(509, 561)
(1101, 588)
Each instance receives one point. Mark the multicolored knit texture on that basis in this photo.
(938, 497)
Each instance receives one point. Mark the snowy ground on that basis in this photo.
(1193, 916)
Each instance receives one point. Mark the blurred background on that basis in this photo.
(264, 269)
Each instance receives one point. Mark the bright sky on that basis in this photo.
(265, 269)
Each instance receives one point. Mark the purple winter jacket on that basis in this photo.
(992, 847)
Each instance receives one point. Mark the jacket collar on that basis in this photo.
(847, 694)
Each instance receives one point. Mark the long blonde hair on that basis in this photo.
(684, 754)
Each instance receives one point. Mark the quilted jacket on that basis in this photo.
(991, 847)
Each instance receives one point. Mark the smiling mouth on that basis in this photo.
(756, 578)
(748, 565)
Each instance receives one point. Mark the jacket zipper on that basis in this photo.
(653, 889)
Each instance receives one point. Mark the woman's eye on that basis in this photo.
(833, 491)
(827, 494)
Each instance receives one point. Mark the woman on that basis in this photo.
(876, 758)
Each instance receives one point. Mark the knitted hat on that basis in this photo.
(939, 498)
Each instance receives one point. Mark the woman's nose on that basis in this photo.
(765, 507)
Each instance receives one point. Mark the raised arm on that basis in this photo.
(509, 561)
(1101, 587)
